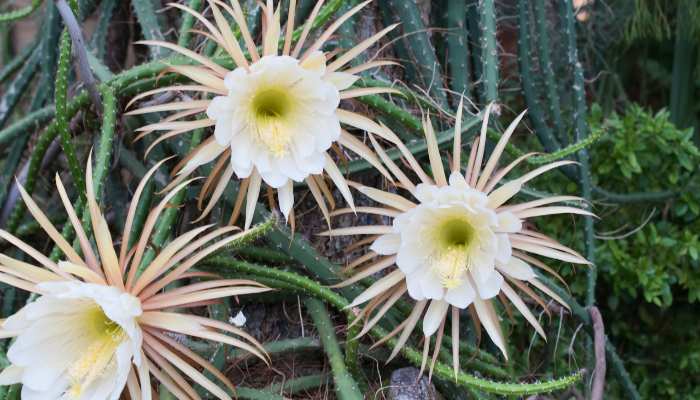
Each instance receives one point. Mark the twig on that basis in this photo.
(598, 388)
(80, 51)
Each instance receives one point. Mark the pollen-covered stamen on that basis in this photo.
(451, 260)
(105, 336)
(271, 109)
(451, 265)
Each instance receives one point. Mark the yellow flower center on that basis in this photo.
(451, 261)
(272, 108)
(105, 336)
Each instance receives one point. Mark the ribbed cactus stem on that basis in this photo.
(150, 26)
(348, 32)
(684, 60)
(547, 72)
(188, 20)
(102, 157)
(489, 50)
(581, 133)
(13, 65)
(14, 91)
(345, 386)
(99, 37)
(419, 48)
(474, 42)
(49, 49)
(20, 12)
(62, 118)
(535, 113)
(459, 61)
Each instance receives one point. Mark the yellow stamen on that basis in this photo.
(271, 108)
(451, 265)
(106, 336)
(455, 238)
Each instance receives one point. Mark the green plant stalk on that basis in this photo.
(347, 33)
(296, 385)
(256, 394)
(167, 219)
(8, 303)
(304, 8)
(12, 94)
(477, 359)
(16, 62)
(417, 99)
(78, 102)
(323, 16)
(185, 34)
(352, 351)
(141, 214)
(544, 134)
(102, 163)
(219, 312)
(36, 158)
(51, 34)
(14, 392)
(459, 59)
(106, 140)
(395, 113)
(150, 26)
(684, 60)
(581, 133)
(164, 394)
(474, 35)
(489, 49)
(264, 254)
(399, 46)
(437, 16)
(62, 118)
(14, 156)
(552, 91)
(28, 123)
(99, 38)
(419, 48)
(296, 345)
(637, 197)
(100, 171)
(222, 264)
(20, 13)
(568, 150)
(345, 386)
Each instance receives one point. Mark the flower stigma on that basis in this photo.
(105, 336)
(451, 260)
(272, 107)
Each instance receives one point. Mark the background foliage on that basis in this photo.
(611, 84)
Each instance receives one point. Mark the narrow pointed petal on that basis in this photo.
(522, 307)
(339, 180)
(497, 151)
(457, 144)
(252, 198)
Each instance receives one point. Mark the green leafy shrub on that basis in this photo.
(649, 259)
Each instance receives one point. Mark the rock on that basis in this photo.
(405, 385)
